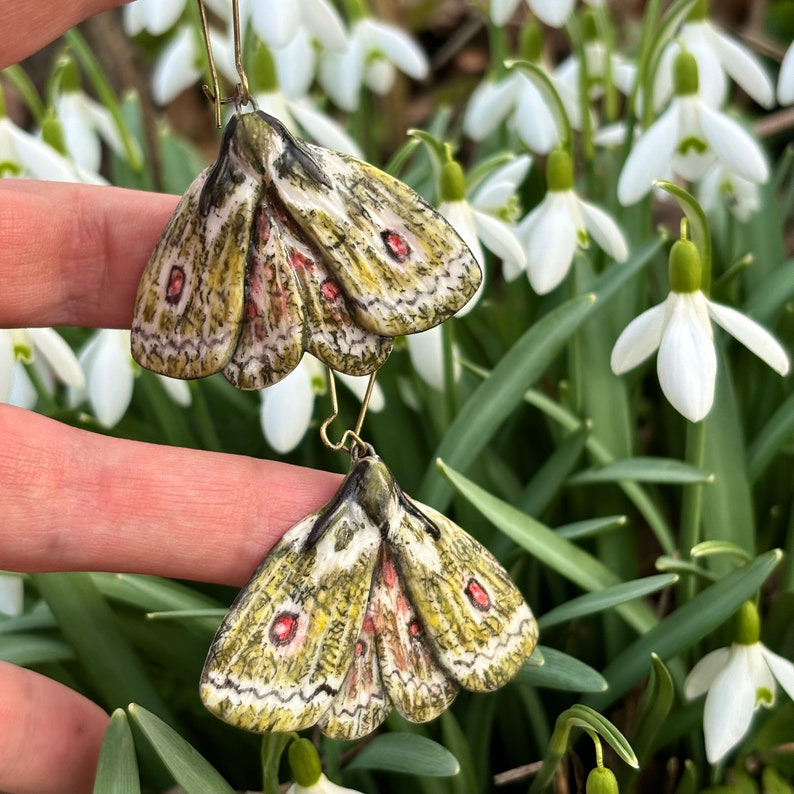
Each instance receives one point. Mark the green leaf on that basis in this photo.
(601, 600)
(189, 768)
(777, 432)
(497, 397)
(640, 469)
(684, 627)
(117, 770)
(585, 570)
(27, 650)
(714, 548)
(408, 754)
(577, 530)
(561, 671)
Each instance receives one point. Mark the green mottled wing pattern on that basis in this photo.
(283, 247)
(283, 650)
(373, 602)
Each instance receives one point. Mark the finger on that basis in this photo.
(27, 27)
(73, 254)
(74, 500)
(51, 735)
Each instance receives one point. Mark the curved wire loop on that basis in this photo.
(350, 438)
(242, 95)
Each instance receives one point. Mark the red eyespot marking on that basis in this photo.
(369, 625)
(389, 574)
(330, 290)
(477, 596)
(414, 629)
(283, 628)
(176, 283)
(300, 262)
(361, 648)
(396, 245)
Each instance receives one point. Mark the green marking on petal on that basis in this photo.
(764, 697)
(23, 353)
(582, 238)
(692, 142)
(9, 168)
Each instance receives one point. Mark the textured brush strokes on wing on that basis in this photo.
(373, 602)
(283, 247)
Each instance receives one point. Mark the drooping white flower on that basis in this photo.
(680, 329)
(785, 78)
(305, 764)
(738, 681)
(687, 139)
(110, 376)
(720, 186)
(553, 12)
(719, 57)
(12, 594)
(322, 786)
(562, 222)
(277, 23)
(287, 406)
(154, 16)
(476, 219)
(374, 51)
(47, 351)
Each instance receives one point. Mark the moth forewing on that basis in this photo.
(283, 650)
(478, 625)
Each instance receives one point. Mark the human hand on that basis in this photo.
(73, 500)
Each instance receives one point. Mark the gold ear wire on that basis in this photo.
(349, 437)
(242, 95)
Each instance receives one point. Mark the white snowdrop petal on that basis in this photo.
(178, 390)
(605, 231)
(342, 74)
(502, 10)
(162, 15)
(58, 355)
(426, 350)
(743, 67)
(323, 129)
(79, 136)
(287, 409)
(358, 385)
(755, 338)
(295, 65)
(785, 78)
(488, 105)
(534, 120)
(325, 24)
(782, 669)
(110, 381)
(275, 21)
(500, 238)
(687, 361)
(460, 216)
(400, 49)
(649, 158)
(639, 340)
(729, 704)
(712, 83)
(12, 594)
(704, 672)
(176, 70)
(500, 185)
(39, 159)
(550, 239)
(552, 12)
(733, 145)
(7, 364)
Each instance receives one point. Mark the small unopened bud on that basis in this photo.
(684, 267)
(601, 781)
(304, 762)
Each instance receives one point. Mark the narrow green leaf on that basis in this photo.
(601, 600)
(117, 770)
(501, 392)
(659, 470)
(190, 769)
(688, 624)
(767, 300)
(561, 671)
(713, 548)
(577, 530)
(406, 753)
(456, 741)
(548, 547)
(27, 650)
(777, 432)
(688, 784)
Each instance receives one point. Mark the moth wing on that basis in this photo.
(282, 652)
(190, 297)
(362, 703)
(477, 622)
(400, 264)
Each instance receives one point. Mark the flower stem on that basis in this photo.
(691, 507)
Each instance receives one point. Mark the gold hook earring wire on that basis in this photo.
(243, 96)
(214, 93)
(349, 435)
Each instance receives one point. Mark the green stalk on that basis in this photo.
(450, 403)
(692, 504)
(18, 78)
(47, 400)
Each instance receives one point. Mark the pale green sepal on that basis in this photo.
(684, 267)
(601, 780)
(453, 182)
(685, 74)
(304, 762)
(748, 624)
(559, 170)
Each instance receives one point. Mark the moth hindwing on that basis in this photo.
(283, 247)
(371, 603)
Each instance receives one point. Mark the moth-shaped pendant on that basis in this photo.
(283, 247)
(373, 602)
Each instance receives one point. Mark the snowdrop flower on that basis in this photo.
(475, 219)
(373, 51)
(738, 681)
(307, 771)
(110, 375)
(688, 138)
(553, 12)
(426, 350)
(46, 350)
(721, 186)
(287, 406)
(277, 23)
(518, 99)
(680, 328)
(154, 16)
(719, 56)
(562, 222)
(12, 594)
(785, 79)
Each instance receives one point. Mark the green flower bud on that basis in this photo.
(304, 762)
(531, 44)
(453, 182)
(589, 27)
(265, 69)
(685, 74)
(559, 170)
(699, 12)
(748, 624)
(684, 267)
(69, 76)
(601, 781)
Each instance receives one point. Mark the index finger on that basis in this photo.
(73, 254)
